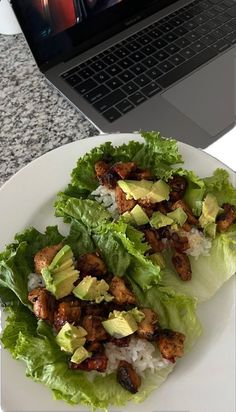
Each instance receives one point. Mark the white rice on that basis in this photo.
(107, 198)
(140, 353)
(199, 244)
(35, 281)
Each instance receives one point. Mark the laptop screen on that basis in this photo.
(58, 29)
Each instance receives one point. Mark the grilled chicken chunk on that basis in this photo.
(178, 186)
(98, 362)
(96, 347)
(171, 344)
(148, 328)
(226, 218)
(141, 174)
(124, 169)
(128, 377)
(94, 328)
(153, 239)
(106, 176)
(121, 292)
(123, 204)
(91, 264)
(121, 342)
(94, 309)
(69, 311)
(43, 304)
(182, 265)
(45, 256)
(192, 220)
(180, 243)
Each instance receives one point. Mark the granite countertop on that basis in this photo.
(34, 118)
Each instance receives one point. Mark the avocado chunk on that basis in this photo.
(120, 324)
(210, 210)
(158, 220)
(178, 215)
(135, 189)
(128, 218)
(158, 259)
(139, 215)
(71, 337)
(92, 289)
(61, 274)
(80, 355)
(137, 314)
(210, 230)
(160, 191)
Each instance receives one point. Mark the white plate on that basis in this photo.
(204, 380)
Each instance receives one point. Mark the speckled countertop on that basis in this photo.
(34, 118)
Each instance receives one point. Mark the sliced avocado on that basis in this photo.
(158, 220)
(120, 324)
(71, 337)
(158, 259)
(128, 218)
(210, 210)
(160, 191)
(135, 189)
(80, 355)
(210, 229)
(178, 215)
(92, 289)
(139, 215)
(61, 274)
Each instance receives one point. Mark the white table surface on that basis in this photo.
(224, 149)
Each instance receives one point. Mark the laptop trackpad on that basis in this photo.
(207, 96)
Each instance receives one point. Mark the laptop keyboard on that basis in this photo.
(144, 64)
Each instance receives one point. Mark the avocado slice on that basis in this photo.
(178, 215)
(210, 210)
(92, 289)
(61, 274)
(135, 189)
(71, 337)
(128, 218)
(158, 259)
(160, 191)
(158, 220)
(139, 215)
(80, 355)
(120, 324)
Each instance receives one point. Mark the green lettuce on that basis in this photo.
(220, 186)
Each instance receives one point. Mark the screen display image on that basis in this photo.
(50, 17)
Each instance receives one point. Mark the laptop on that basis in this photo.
(127, 65)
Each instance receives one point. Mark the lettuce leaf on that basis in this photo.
(208, 272)
(220, 186)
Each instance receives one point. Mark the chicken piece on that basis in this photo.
(187, 227)
(128, 377)
(106, 176)
(192, 220)
(124, 169)
(226, 218)
(180, 243)
(43, 304)
(178, 186)
(123, 204)
(162, 207)
(164, 233)
(121, 342)
(171, 344)
(98, 362)
(95, 330)
(148, 328)
(121, 292)
(44, 257)
(67, 312)
(96, 347)
(94, 309)
(91, 264)
(153, 239)
(182, 265)
(141, 174)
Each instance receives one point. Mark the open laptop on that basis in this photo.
(139, 64)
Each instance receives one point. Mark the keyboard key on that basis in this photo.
(151, 89)
(190, 25)
(137, 98)
(149, 62)
(113, 70)
(148, 50)
(221, 45)
(169, 37)
(144, 40)
(98, 66)
(176, 21)
(122, 52)
(155, 33)
(86, 73)
(229, 3)
(126, 76)
(154, 73)
(180, 31)
(125, 106)
(198, 46)
(202, 18)
(161, 55)
(133, 46)
(97, 93)
(202, 30)
(114, 83)
(73, 80)
(165, 66)
(125, 63)
(187, 67)
(138, 68)
(208, 40)
(111, 115)
(141, 80)
(130, 88)
(101, 77)
(110, 100)
(183, 42)
(137, 56)
(86, 86)
(192, 36)
(187, 53)
(177, 59)
(232, 12)
(172, 48)
(166, 27)
(159, 43)
(231, 38)
(110, 59)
